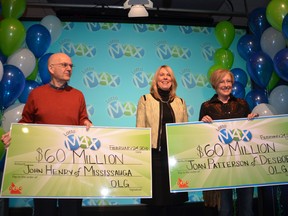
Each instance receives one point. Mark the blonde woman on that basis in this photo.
(154, 110)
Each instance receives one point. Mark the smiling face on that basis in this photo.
(164, 79)
(222, 81)
(224, 86)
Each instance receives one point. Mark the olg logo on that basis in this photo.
(164, 51)
(74, 142)
(226, 136)
(117, 50)
(116, 109)
(91, 79)
(142, 79)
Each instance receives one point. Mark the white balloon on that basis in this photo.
(12, 115)
(272, 41)
(24, 59)
(264, 109)
(54, 26)
(278, 98)
(1, 70)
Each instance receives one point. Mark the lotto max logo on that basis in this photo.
(68, 25)
(91, 79)
(68, 48)
(191, 29)
(78, 49)
(117, 50)
(142, 79)
(190, 110)
(190, 80)
(164, 51)
(116, 109)
(103, 26)
(74, 142)
(208, 52)
(149, 27)
(90, 110)
(226, 136)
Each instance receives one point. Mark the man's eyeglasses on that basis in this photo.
(64, 65)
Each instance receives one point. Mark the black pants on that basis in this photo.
(66, 207)
(171, 210)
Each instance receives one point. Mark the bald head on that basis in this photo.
(60, 68)
(58, 58)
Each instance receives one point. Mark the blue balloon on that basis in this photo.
(238, 90)
(260, 68)
(38, 39)
(240, 76)
(43, 68)
(11, 85)
(257, 21)
(29, 86)
(285, 27)
(255, 97)
(247, 45)
(281, 64)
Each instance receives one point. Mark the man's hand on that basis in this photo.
(88, 124)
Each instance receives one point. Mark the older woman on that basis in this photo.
(223, 105)
(154, 110)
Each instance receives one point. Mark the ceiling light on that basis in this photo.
(138, 11)
(138, 7)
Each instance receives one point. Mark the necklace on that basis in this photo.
(164, 101)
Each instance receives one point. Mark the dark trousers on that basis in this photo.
(244, 202)
(66, 207)
(171, 210)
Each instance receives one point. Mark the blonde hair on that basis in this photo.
(154, 86)
(218, 75)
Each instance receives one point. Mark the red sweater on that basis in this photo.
(46, 105)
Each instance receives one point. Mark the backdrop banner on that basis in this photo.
(228, 153)
(69, 162)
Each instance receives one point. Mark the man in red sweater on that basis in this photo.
(55, 103)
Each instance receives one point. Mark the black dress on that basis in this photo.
(161, 195)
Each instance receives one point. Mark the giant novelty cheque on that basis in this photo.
(65, 161)
(228, 153)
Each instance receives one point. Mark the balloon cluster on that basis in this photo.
(266, 56)
(223, 57)
(22, 54)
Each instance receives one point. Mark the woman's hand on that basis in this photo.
(6, 139)
(207, 119)
(252, 116)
